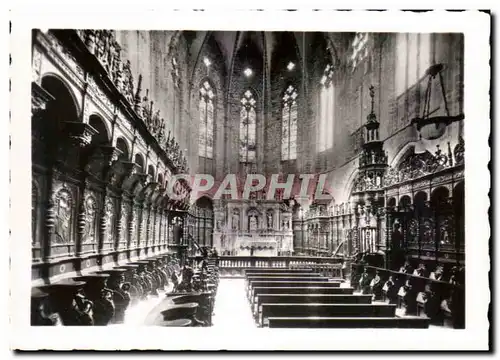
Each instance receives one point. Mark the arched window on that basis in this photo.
(359, 49)
(248, 125)
(289, 125)
(206, 107)
(327, 103)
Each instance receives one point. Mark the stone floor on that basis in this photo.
(232, 309)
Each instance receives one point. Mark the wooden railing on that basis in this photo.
(233, 266)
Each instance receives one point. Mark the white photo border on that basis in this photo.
(476, 29)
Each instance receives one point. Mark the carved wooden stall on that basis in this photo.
(425, 208)
(101, 164)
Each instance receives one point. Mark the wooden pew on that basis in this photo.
(252, 279)
(349, 322)
(310, 299)
(269, 283)
(299, 290)
(324, 310)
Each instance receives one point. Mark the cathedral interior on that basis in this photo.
(117, 116)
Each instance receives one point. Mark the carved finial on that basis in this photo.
(371, 116)
(137, 99)
(372, 95)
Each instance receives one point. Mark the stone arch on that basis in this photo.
(349, 184)
(405, 201)
(151, 170)
(55, 82)
(139, 160)
(392, 202)
(402, 153)
(102, 137)
(439, 194)
(123, 146)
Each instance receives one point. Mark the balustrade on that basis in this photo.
(235, 265)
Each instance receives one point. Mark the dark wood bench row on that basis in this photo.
(299, 290)
(309, 299)
(324, 310)
(255, 279)
(348, 322)
(277, 284)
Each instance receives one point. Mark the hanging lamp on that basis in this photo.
(432, 127)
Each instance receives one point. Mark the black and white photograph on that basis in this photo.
(253, 180)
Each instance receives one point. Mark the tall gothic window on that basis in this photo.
(176, 100)
(413, 58)
(289, 125)
(327, 103)
(359, 48)
(248, 128)
(206, 134)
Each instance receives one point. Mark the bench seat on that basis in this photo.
(349, 322)
(324, 310)
(310, 299)
(277, 284)
(299, 290)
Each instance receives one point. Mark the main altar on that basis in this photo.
(260, 228)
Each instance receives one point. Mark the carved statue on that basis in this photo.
(133, 238)
(90, 40)
(108, 214)
(236, 221)
(146, 110)
(63, 217)
(253, 222)
(144, 227)
(124, 222)
(128, 83)
(459, 151)
(90, 216)
(167, 143)
(269, 220)
(155, 123)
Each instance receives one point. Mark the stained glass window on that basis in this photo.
(248, 128)
(206, 133)
(359, 48)
(327, 102)
(289, 125)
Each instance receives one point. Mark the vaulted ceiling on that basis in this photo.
(230, 42)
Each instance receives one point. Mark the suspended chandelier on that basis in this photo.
(432, 127)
